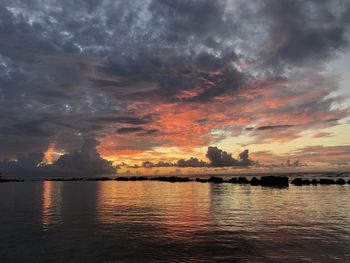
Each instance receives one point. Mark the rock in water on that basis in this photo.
(243, 180)
(233, 180)
(327, 181)
(340, 181)
(255, 181)
(216, 180)
(274, 181)
(314, 181)
(297, 181)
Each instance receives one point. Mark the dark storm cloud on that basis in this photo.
(84, 162)
(70, 67)
(303, 32)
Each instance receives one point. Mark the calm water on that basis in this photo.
(172, 222)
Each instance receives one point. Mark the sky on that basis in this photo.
(154, 86)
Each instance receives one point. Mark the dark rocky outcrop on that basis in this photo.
(306, 182)
(255, 181)
(216, 180)
(138, 178)
(233, 180)
(300, 181)
(243, 180)
(327, 181)
(340, 181)
(171, 179)
(274, 181)
(10, 180)
(201, 180)
(314, 182)
(297, 181)
(120, 178)
(100, 179)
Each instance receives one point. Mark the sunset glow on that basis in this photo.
(179, 78)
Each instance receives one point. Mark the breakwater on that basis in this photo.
(269, 181)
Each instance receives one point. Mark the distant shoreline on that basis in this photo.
(270, 181)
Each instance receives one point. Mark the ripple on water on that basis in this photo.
(176, 222)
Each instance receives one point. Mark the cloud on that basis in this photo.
(303, 32)
(138, 130)
(326, 154)
(216, 156)
(192, 162)
(305, 156)
(220, 158)
(138, 75)
(273, 127)
(84, 162)
(24, 164)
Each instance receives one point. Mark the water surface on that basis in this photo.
(172, 222)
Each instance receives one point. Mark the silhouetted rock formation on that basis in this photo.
(138, 178)
(120, 178)
(314, 181)
(100, 179)
(340, 181)
(327, 181)
(200, 180)
(274, 181)
(212, 179)
(255, 181)
(306, 182)
(297, 181)
(10, 180)
(300, 182)
(233, 180)
(171, 179)
(243, 180)
(216, 180)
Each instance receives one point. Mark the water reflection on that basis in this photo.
(175, 206)
(51, 204)
(176, 222)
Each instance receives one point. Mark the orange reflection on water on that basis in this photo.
(115, 197)
(51, 203)
(180, 209)
(188, 207)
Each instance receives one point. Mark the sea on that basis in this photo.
(151, 221)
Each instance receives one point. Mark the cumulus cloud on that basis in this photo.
(220, 158)
(216, 156)
(84, 162)
(192, 162)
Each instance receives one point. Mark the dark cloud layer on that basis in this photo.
(107, 68)
(84, 162)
